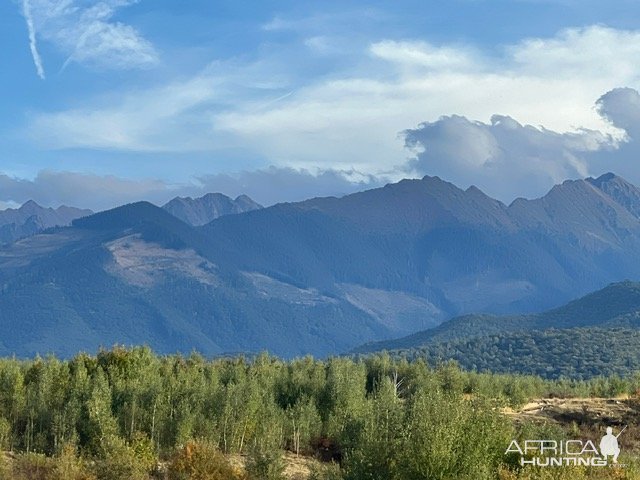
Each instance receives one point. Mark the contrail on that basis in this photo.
(26, 11)
(276, 100)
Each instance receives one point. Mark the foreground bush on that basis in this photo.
(201, 461)
(118, 415)
(328, 471)
(68, 466)
(265, 464)
(31, 466)
(434, 435)
(122, 461)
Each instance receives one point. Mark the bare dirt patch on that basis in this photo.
(587, 417)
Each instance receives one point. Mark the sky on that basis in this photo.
(108, 102)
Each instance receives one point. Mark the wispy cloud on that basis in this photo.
(266, 186)
(33, 45)
(86, 33)
(351, 118)
(142, 121)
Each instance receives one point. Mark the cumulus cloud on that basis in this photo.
(85, 32)
(351, 118)
(97, 192)
(621, 107)
(503, 157)
(507, 159)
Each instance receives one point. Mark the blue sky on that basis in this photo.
(118, 100)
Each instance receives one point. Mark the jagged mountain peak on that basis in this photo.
(30, 205)
(578, 208)
(31, 218)
(619, 190)
(126, 216)
(320, 275)
(205, 209)
(606, 178)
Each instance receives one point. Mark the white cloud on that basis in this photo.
(621, 107)
(507, 159)
(577, 53)
(351, 119)
(33, 44)
(273, 185)
(425, 55)
(86, 33)
(98, 192)
(143, 121)
(503, 157)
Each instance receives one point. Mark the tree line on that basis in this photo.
(131, 414)
(580, 353)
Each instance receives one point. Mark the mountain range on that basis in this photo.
(207, 208)
(320, 276)
(31, 218)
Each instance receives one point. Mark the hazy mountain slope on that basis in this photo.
(31, 218)
(617, 305)
(598, 334)
(461, 250)
(202, 210)
(320, 276)
(621, 191)
(137, 274)
(415, 206)
(579, 211)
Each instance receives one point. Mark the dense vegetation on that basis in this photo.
(576, 353)
(616, 305)
(129, 414)
(595, 335)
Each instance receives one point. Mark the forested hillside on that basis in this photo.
(598, 334)
(132, 415)
(617, 304)
(552, 353)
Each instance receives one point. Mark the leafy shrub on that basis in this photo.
(265, 464)
(32, 466)
(5, 473)
(124, 462)
(201, 460)
(68, 466)
(325, 471)
(5, 434)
